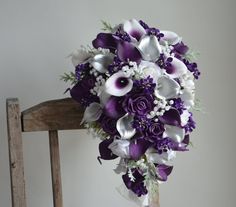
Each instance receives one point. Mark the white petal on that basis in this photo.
(184, 117)
(120, 147)
(103, 96)
(121, 167)
(188, 97)
(150, 69)
(101, 62)
(178, 68)
(162, 158)
(167, 87)
(171, 37)
(112, 88)
(124, 126)
(149, 48)
(79, 56)
(92, 112)
(173, 132)
(133, 28)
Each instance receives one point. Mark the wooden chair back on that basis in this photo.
(51, 116)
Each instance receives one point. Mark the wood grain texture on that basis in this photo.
(59, 114)
(15, 153)
(55, 168)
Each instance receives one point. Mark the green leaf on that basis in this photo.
(191, 55)
(106, 26)
(69, 77)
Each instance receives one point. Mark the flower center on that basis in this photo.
(122, 82)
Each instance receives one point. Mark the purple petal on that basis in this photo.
(138, 148)
(113, 107)
(127, 51)
(171, 117)
(186, 139)
(105, 152)
(164, 171)
(181, 48)
(105, 40)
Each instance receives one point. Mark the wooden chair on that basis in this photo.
(49, 116)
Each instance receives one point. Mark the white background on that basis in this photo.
(35, 38)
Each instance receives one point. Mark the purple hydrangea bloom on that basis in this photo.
(192, 67)
(145, 84)
(81, 69)
(190, 125)
(123, 35)
(81, 91)
(179, 105)
(143, 24)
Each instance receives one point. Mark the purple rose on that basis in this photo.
(137, 186)
(81, 91)
(154, 130)
(108, 124)
(138, 104)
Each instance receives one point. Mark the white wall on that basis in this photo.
(35, 38)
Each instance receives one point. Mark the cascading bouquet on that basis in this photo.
(137, 88)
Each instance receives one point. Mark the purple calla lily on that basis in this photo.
(128, 51)
(171, 117)
(138, 148)
(106, 41)
(163, 171)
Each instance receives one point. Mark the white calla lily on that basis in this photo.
(150, 69)
(118, 84)
(177, 68)
(92, 113)
(120, 147)
(184, 117)
(121, 167)
(167, 87)
(124, 126)
(150, 48)
(134, 29)
(103, 96)
(162, 158)
(79, 56)
(101, 62)
(188, 97)
(173, 132)
(170, 37)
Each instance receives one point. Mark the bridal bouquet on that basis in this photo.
(137, 87)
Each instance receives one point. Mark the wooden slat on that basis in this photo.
(53, 115)
(15, 154)
(55, 168)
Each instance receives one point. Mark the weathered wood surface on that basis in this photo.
(59, 114)
(55, 168)
(15, 153)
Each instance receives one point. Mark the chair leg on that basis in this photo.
(55, 168)
(15, 153)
